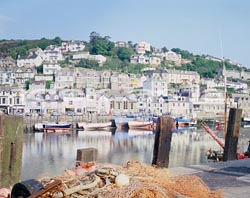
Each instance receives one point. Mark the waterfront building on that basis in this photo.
(74, 100)
(243, 102)
(123, 104)
(12, 100)
(211, 104)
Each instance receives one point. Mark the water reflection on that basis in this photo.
(48, 155)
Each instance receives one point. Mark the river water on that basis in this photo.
(49, 155)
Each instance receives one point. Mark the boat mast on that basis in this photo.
(225, 89)
(225, 98)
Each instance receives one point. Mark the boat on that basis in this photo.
(141, 125)
(122, 122)
(38, 127)
(106, 126)
(246, 119)
(56, 127)
(181, 122)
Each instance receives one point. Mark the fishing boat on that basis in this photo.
(106, 126)
(181, 122)
(56, 127)
(141, 125)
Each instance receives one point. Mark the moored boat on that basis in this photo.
(38, 127)
(141, 125)
(56, 127)
(96, 126)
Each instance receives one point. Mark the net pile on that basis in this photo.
(145, 182)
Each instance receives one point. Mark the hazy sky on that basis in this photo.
(199, 26)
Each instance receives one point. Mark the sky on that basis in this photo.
(219, 28)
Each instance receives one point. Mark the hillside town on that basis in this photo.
(71, 90)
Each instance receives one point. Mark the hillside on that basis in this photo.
(118, 58)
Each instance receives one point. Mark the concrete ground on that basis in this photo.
(233, 177)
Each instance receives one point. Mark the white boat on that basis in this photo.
(38, 127)
(96, 126)
(141, 125)
(246, 119)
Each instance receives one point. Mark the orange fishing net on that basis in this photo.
(145, 182)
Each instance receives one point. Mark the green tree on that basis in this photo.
(57, 40)
(86, 63)
(27, 85)
(124, 53)
(48, 84)
(184, 53)
(39, 69)
(102, 46)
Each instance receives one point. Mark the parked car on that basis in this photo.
(54, 113)
(70, 113)
(28, 114)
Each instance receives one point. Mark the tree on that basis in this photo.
(124, 53)
(164, 49)
(57, 40)
(48, 84)
(27, 85)
(39, 69)
(101, 46)
(184, 53)
(86, 63)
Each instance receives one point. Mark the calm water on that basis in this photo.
(50, 155)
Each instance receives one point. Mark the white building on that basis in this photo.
(12, 100)
(72, 46)
(142, 47)
(156, 84)
(171, 56)
(85, 55)
(51, 68)
(34, 59)
(53, 53)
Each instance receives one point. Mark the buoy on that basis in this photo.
(122, 180)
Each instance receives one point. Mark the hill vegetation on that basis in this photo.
(118, 58)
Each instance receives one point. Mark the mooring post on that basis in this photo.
(11, 144)
(86, 155)
(162, 142)
(233, 128)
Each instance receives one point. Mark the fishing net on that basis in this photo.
(145, 182)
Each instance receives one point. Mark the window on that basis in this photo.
(10, 100)
(125, 105)
(3, 101)
(18, 100)
(112, 104)
(132, 105)
(70, 102)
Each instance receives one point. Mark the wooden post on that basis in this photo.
(87, 155)
(233, 128)
(162, 143)
(11, 137)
